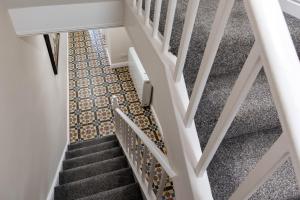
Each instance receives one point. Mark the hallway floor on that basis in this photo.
(92, 82)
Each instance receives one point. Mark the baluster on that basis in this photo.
(145, 156)
(134, 147)
(162, 183)
(215, 37)
(186, 36)
(151, 174)
(147, 11)
(130, 141)
(156, 17)
(134, 3)
(139, 7)
(169, 24)
(138, 152)
(125, 128)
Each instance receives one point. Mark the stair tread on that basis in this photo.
(237, 156)
(128, 192)
(91, 149)
(94, 185)
(91, 158)
(92, 169)
(257, 112)
(91, 142)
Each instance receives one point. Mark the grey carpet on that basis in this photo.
(96, 169)
(256, 126)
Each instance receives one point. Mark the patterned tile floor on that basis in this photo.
(92, 84)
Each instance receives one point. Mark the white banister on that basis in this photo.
(134, 3)
(281, 65)
(140, 7)
(157, 11)
(162, 183)
(131, 146)
(144, 163)
(169, 24)
(151, 174)
(147, 11)
(237, 96)
(188, 26)
(218, 27)
(149, 145)
(274, 158)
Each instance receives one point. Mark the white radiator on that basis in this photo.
(139, 77)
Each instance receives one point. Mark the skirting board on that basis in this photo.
(157, 121)
(55, 181)
(120, 64)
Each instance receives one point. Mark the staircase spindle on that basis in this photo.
(138, 152)
(156, 17)
(134, 147)
(151, 174)
(134, 3)
(139, 7)
(145, 156)
(147, 11)
(162, 183)
(169, 24)
(188, 26)
(215, 36)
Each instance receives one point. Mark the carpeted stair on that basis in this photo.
(256, 127)
(97, 170)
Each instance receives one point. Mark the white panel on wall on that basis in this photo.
(62, 18)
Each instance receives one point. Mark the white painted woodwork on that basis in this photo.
(268, 164)
(188, 26)
(64, 18)
(157, 11)
(237, 96)
(169, 24)
(218, 27)
(147, 12)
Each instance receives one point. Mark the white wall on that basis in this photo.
(118, 44)
(33, 114)
(61, 18)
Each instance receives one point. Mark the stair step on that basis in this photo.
(91, 142)
(93, 169)
(94, 185)
(91, 149)
(257, 112)
(92, 158)
(128, 192)
(237, 156)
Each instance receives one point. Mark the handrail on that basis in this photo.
(159, 156)
(131, 137)
(282, 67)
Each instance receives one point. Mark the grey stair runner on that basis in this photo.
(256, 126)
(98, 169)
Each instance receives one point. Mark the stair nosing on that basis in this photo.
(106, 150)
(92, 177)
(121, 187)
(71, 146)
(94, 163)
(93, 145)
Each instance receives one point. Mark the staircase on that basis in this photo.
(256, 126)
(96, 170)
(237, 101)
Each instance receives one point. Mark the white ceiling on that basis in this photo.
(30, 3)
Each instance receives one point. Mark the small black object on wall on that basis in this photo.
(52, 43)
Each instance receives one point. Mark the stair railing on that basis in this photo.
(141, 151)
(273, 51)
